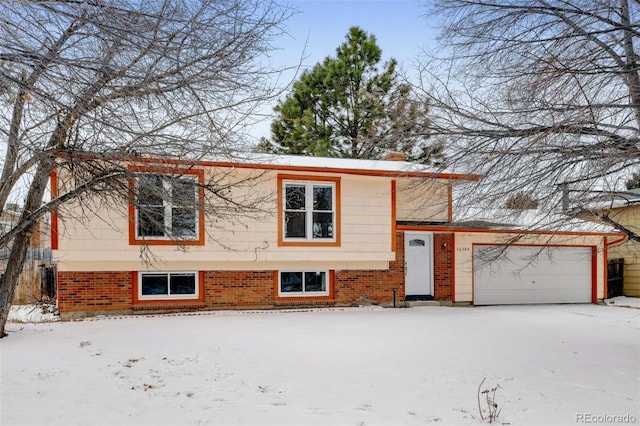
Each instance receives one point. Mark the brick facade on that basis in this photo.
(94, 291)
(373, 285)
(86, 292)
(239, 288)
(443, 245)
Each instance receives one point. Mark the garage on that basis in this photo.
(532, 274)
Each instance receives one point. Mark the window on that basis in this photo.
(309, 211)
(168, 285)
(303, 283)
(167, 207)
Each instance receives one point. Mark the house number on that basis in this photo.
(463, 249)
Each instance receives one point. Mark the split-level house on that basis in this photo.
(282, 231)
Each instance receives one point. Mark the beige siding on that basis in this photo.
(464, 256)
(631, 278)
(422, 200)
(100, 240)
(629, 217)
(630, 252)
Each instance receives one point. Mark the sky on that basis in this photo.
(401, 29)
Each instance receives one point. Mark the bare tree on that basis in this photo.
(87, 86)
(538, 96)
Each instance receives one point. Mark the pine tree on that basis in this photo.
(346, 107)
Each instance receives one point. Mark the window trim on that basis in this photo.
(309, 241)
(197, 297)
(134, 238)
(329, 294)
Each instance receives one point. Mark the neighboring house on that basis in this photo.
(623, 208)
(37, 279)
(333, 232)
(10, 217)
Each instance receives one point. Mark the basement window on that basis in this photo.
(303, 283)
(168, 285)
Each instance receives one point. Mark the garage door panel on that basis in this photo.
(523, 275)
(516, 281)
(533, 297)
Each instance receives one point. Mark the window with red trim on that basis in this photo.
(168, 285)
(303, 283)
(308, 210)
(166, 208)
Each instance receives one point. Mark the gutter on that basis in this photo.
(620, 240)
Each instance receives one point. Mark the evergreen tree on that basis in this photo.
(346, 107)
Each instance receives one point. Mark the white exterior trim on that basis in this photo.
(195, 295)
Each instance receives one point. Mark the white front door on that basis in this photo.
(418, 256)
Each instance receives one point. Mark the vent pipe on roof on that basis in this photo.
(565, 197)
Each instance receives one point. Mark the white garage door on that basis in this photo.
(525, 274)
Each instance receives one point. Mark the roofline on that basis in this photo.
(316, 169)
(621, 205)
(451, 228)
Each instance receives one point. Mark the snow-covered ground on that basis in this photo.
(554, 365)
(33, 313)
(624, 302)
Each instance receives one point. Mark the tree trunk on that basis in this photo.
(18, 254)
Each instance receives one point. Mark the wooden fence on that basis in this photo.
(38, 278)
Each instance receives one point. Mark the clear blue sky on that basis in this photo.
(320, 26)
(400, 27)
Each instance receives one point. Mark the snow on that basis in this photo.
(624, 302)
(33, 313)
(351, 366)
(530, 219)
(355, 164)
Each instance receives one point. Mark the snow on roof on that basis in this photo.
(528, 219)
(616, 200)
(364, 166)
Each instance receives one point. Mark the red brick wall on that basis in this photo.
(443, 266)
(104, 291)
(238, 288)
(373, 285)
(94, 291)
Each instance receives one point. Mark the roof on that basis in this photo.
(614, 200)
(302, 163)
(528, 219)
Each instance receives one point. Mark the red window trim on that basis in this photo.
(54, 211)
(308, 178)
(168, 301)
(330, 283)
(133, 239)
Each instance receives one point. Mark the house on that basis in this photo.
(320, 232)
(37, 279)
(11, 216)
(623, 208)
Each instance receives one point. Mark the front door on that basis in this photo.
(418, 257)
